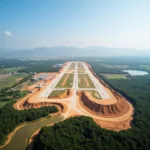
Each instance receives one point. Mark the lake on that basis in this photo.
(136, 72)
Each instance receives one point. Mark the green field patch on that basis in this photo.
(73, 65)
(3, 103)
(84, 81)
(11, 80)
(116, 66)
(95, 94)
(80, 65)
(115, 76)
(81, 70)
(12, 69)
(56, 93)
(66, 81)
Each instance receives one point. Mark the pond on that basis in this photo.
(136, 72)
(21, 136)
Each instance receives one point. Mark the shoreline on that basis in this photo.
(10, 135)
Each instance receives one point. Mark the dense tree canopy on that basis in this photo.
(10, 118)
(81, 133)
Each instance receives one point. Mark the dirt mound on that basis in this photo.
(117, 109)
(27, 105)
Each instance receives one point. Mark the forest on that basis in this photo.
(32, 65)
(11, 118)
(83, 133)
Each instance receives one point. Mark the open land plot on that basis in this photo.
(115, 66)
(73, 65)
(145, 67)
(11, 80)
(66, 81)
(84, 81)
(81, 70)
(80, 65)
(70, 71)
(95, 94)
(56, 93)
(115, 76)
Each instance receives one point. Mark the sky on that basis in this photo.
(80, 23)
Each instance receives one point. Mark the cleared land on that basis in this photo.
(81, 70)
(66, 81)
(80, 65)
(84, 81)
(115, 76)
(72, 65)
(56, 93)
(10, 80)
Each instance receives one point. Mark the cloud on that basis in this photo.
(7, 33)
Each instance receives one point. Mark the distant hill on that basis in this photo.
(61, 51)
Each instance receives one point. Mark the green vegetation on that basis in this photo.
(11, 118)
(95, 94)
(82, 78)
(8, 95)
(27, 130)
(11, 80)
(32, 65)
(66, 81)
(56, 93)
(83, 133)
(72, 65)
(3, 103)
(81, 70)
(8, 70)
(116, 66)
(115, 76)
(80, 65)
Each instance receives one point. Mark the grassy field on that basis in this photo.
(116, 66)
(81, 70)
(72, 65)
(115, 76)
(84, 81)
(95, 94)
(145, 67)
(13, 69)
(11, 80)
(80, 65)
(3, 103)
(66, 81)
(56, 93)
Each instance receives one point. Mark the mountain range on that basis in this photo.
(62, 51)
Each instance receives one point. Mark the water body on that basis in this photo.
(21, 136)
(136, 72)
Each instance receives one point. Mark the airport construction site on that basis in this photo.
(76, 90)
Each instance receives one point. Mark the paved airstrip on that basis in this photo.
(98, 86)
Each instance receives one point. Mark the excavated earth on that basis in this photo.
(108, 110)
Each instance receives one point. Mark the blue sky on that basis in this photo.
(81, 23)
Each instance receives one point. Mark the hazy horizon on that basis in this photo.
(118, 24)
